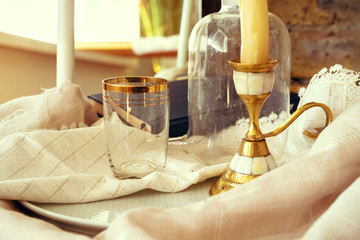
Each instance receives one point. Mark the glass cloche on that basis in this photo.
(217, 117)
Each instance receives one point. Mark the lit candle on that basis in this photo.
(65, 44)
(254, 24)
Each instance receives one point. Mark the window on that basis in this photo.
(95, 20)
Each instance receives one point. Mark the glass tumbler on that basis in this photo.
(136, 117)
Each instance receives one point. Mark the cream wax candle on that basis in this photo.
(254, 22)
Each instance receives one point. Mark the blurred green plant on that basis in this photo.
(160, 18)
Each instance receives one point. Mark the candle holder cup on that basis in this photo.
(254, 83)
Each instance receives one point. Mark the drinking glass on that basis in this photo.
(136, 117)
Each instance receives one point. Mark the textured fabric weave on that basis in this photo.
(56, 152)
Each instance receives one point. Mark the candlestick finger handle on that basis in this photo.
(297, 113)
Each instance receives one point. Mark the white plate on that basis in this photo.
(96, 216)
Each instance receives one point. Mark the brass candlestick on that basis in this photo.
(254, 84)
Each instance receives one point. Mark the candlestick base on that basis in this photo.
(228, 180)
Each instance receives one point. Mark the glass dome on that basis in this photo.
(218, 119)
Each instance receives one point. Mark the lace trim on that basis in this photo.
(341, 85)
(267, 124)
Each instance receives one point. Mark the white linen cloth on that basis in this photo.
(314, 194)
(40, 163)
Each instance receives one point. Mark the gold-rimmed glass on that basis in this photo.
(136, 116)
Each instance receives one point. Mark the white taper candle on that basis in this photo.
(65, 45)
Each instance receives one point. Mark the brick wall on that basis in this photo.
(322, 32)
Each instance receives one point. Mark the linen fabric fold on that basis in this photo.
(54, 108)
(53, 150)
